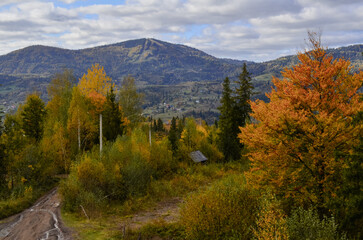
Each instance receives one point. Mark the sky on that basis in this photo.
(254, 30)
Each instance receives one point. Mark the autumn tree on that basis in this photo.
(131, 100)
(95, 85)
(55, 129)
(60, 94)
(14, 142)
(33, 116)
(81, 127)
(293, 144)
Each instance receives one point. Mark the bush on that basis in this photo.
(91, 174)
(74, 195)
(86, 186)
(306, 224)
(70, 190)
(226, 210)
(161, 159)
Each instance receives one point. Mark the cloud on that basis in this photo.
(245, 29)
(69, 1)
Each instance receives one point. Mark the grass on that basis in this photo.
(99, 228)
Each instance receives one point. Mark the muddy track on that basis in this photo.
(41, 221)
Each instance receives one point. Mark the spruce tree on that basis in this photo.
(181, 124)
(349, 206)
(155, 126)
(228, 141)
(243, 93)
(160, 125)
(173, 135)
(112, 117)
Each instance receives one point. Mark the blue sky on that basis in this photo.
(256, 30)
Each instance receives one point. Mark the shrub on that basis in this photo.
(161, 159)
(91, 173)
(210, 151)
(306, 224)
(70, 191)
(226, 210)
(86, 186)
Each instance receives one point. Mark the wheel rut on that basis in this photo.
(41, 221)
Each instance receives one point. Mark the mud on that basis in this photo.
(41, 221)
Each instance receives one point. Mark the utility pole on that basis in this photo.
(150, 132)
(100, 134)
(79, 131)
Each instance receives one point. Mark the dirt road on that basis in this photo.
(41, 221)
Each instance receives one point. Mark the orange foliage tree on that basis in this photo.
(295, 138)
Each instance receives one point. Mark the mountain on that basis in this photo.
(274, 67)
(150, 61)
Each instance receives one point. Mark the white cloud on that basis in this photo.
(244, 29)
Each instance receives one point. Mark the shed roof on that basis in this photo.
(197, 156)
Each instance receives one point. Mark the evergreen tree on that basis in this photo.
(349, 206)
(173, 135)
(33, 116)
(160, 125)
(112, 117)
(155, 126)
(229, 144)
(181, 124)
(243, 93)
